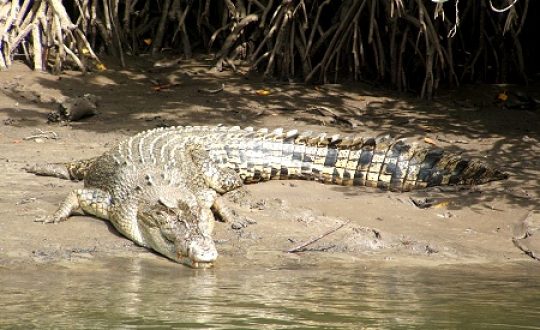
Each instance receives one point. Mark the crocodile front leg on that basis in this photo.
(218, 179)
(210, 199)
(91, 201)
(223, 212)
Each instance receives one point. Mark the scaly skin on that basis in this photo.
(160, 187)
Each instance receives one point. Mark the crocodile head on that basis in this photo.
(179, 229)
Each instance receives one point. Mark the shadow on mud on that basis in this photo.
(143, 96)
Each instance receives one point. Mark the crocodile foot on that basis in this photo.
(241, 222)
(56, 170)
(48, 219)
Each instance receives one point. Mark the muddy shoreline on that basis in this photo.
(466, 226)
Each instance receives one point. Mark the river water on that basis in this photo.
(125, 293)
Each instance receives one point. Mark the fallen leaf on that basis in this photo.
(502, 96)
(263, 92)
(445, 215)
(440, 205)
(147, 41)
(101, 67)
(162, 87)
(426, 128)
(430, 141)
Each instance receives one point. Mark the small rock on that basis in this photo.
(26, 200)
(237, 225)
(446, 215)
(431, 250)
(75, 108)
(258, 205)
(242, 222)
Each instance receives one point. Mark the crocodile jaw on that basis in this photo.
(200, 253)
(195, 252)
(194, 264)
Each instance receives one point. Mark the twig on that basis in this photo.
(279, 39)
(453, 31)
(503, 9)
(211, 91)
(158, 39)
(270, 33)
(524, 235)
(235, 33)
(302, 246)
(43, 135)
(315, 24)
(265, 14)
(525, 249)
(36, 41)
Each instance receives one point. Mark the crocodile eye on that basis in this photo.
(171, 212)
(182, 221)
(162, 213)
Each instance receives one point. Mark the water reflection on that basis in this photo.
(144, 292)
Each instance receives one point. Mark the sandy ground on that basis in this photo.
(466, 226)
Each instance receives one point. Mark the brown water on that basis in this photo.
(145, 293)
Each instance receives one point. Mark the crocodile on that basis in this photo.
(161, 187)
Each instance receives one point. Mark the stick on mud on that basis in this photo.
(302, 246)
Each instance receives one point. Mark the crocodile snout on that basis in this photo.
(202, 253)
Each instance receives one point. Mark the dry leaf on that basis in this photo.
(430, 141)
(161, 87)
(147, 41)
(426, 128)
(440, 205)
(263, 92)
(101, 67)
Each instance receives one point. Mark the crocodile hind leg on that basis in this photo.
(91, 201)
(57, 170)
(221, 179)
(68, 171)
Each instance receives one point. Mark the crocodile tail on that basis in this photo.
(380, 162)
(440, 168)
(394, 165)
(69, 171)
(77, 170)
(461, 171)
